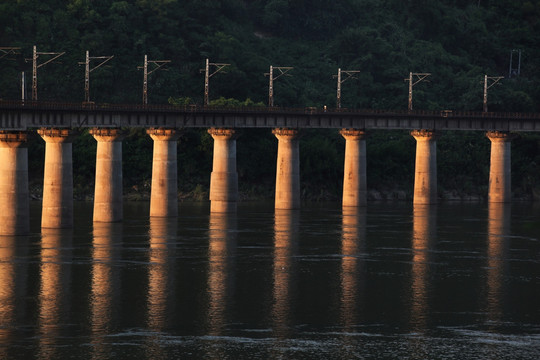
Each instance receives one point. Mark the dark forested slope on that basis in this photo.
(457, 41)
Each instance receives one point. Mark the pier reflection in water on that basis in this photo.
(424, 237)
(8, 288)
(161, 271)
(55, 291)
(286, 227)
(105, 286)
(499, 215)
(385, 281)
(161, 300)
(352, 277)
(221, 270)
(13, 287)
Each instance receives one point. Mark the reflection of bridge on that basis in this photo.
(58, 124)
(378, 283)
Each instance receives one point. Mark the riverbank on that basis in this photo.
(200, 193)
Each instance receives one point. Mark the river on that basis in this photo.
(391, 281)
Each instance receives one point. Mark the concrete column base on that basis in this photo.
(58, 178)
(500, 186)
(14, 193)
(425, 170)
(288, 169)
(164, 191)
(108, 188)
(224, 178)
(354, 174)
(217, 206)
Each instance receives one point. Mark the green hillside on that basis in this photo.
(458, 42)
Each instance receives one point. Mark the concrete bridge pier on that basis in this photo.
(288, 169)
(108, 187)
(164, 191)
(224, 178)
(354, 177)
(425, 170)
(500, 189)
(14, 194)
(57, 208)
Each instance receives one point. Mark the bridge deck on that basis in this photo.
(17, 115)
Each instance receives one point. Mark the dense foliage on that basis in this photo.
(457, 41)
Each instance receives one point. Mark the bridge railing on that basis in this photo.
(46, 105)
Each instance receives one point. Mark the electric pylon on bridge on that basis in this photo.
(36, 66)
(514, 71)
(415, 78)
(208, 75)
(88, 70)
(7, 51)
(158, 65)
(349, 75)
(489, 81)
(283, 70)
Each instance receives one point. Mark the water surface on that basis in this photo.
(452, 281)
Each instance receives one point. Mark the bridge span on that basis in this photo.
(19, 115)
(59, 123)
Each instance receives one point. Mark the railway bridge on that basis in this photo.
(59, 123)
